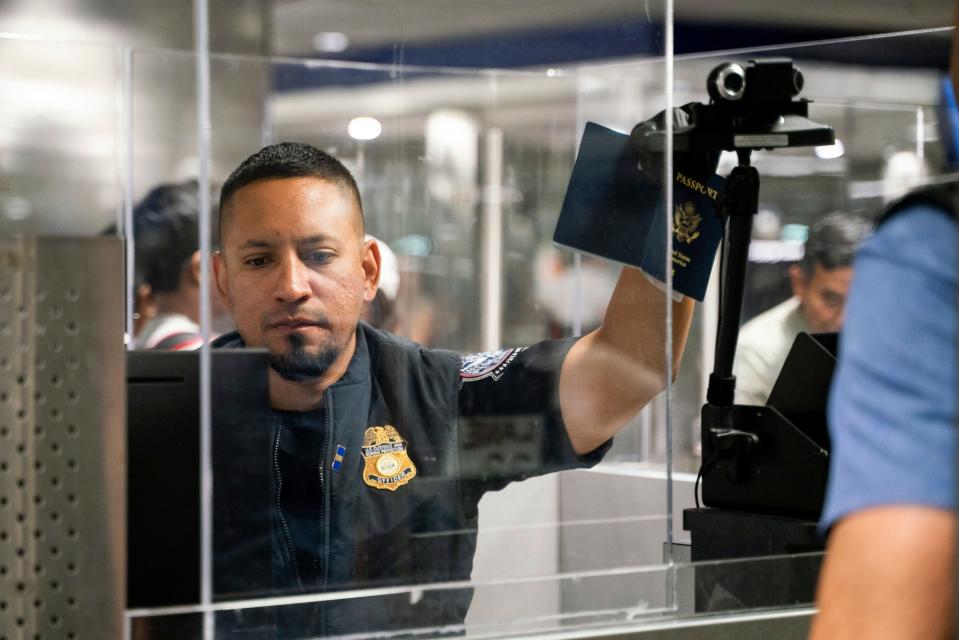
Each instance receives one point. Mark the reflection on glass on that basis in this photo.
(60, 138)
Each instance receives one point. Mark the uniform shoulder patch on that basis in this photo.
(489, 364)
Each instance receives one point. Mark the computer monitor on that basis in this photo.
(163, 474)
(801, 391)
(775, 459)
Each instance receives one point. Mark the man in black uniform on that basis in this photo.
(381, 447)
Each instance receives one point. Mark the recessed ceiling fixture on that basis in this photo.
(331, 41)
(365, 128)
(830, 151)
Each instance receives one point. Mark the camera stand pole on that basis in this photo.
(741, 201)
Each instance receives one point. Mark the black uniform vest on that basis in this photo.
(423, 532)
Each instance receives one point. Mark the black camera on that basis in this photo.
(768, 80)
(753, 106)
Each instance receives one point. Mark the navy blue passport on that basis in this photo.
(615, 211)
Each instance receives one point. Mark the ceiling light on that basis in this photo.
(831, 151)
(331, 41)
(17, 208)
(365, 128)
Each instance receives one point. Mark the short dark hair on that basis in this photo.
(166, 234)
(288, 160)
(833, 240)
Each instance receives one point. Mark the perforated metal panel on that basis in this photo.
(62, 499)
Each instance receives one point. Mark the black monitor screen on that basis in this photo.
(163, 417)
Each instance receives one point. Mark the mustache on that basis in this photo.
(317, 318)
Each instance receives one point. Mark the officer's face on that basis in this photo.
(295, 271)
(822, 296)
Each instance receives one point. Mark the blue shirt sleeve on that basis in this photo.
(892, 407)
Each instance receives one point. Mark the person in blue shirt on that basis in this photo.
(891, 499)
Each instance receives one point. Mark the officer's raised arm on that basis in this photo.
(610, 374)
(614, 209)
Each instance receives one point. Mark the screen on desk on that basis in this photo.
(782, 470)
(163, 472)
(801, 392)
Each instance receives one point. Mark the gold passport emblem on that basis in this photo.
(386, 465)
(686, 222)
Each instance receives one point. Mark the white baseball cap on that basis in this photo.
(389, 269)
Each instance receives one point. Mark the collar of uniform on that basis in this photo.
(231, 340)
(359, 368)
(357, 371)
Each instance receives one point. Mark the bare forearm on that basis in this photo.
(888, 574)
(610, 375)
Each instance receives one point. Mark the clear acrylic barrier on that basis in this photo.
(459, 149)
(635, 599)
(875, 111)
(464, 182)
(61, 137)
(887, 125)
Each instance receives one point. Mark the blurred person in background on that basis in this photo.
(401, 306)
(167, 259)
(417, 312)
(820, 283)
(890, 504)
(567, 294)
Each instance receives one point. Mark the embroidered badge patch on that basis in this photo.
(489, 364)
(386, 464)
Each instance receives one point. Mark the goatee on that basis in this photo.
(299, 365)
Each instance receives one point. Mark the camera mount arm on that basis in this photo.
(740, 204)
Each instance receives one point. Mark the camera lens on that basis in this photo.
(733, 84)
(727, 82)
(798, 81)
